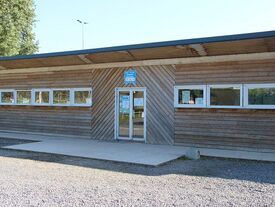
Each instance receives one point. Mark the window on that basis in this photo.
(225, 96)
(61, 96)
(259, 96)
(23, 97)
(42, 96)
(82, 96)
(190, 96)
(7, 97)
(47, 97)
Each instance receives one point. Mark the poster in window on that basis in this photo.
(124, 104)
(186, 96)
(138, 101)
(199, 101)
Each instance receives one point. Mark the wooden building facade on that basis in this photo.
(215, 93)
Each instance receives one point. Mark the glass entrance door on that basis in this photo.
(138, 114)
(130, 114)
(124, 114)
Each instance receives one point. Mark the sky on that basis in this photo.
(123, 22)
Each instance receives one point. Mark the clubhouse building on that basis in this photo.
(215, 93)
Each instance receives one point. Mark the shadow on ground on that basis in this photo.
(7, 142)
(262, 172)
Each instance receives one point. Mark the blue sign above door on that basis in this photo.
(130, 77)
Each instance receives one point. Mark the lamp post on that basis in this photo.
(82, 24)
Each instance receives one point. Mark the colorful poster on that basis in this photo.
(124, 104)
(138, 101)
(186, 96)
(199, 101)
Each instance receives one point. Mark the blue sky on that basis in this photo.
(121, 22)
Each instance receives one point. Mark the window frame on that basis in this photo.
(73, 90)
(61, 89)
(221, 86)
(16, 103)
(42, 90)
(253, 86)
(176, 96)
(50, 90)
(8, 90)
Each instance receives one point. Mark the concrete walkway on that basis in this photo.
(129, 152)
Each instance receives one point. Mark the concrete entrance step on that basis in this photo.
(137, 153)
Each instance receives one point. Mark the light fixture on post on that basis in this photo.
(82, 24)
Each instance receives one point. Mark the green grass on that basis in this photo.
(183, 158)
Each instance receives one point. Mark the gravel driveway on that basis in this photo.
(36, 179)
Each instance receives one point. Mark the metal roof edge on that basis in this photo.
(202, 40)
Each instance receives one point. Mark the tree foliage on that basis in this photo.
(16, 27)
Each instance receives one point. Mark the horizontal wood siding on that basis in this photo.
(52, 120)
(226, 128)
(158, 80)
(47, 119)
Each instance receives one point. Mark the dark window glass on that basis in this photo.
(261, 96)
(225, 96)
(190, 96)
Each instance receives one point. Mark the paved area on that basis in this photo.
(38, 179)
(267, 155)
(129, 152)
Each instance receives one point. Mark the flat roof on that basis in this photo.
(197, 47)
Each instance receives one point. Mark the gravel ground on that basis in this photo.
(37, 179)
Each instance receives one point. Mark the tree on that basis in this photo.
(16, 24)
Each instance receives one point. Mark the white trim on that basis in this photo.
(253, 86)
(220, 86)
(176, 96)
(130, 89)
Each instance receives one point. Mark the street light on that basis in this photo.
(82, 23)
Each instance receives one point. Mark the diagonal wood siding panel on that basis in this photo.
(158, 80)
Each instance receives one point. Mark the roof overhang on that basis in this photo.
(250, 43)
